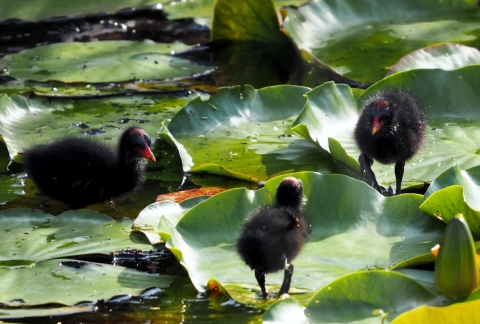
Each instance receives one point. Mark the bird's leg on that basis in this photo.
(287, 279)
(399, 169)
(366, 164)
(260, 275)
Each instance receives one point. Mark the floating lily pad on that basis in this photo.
(26, 313)
(440, 56)
(10, 187)
(347, 217)
(247, 131)
(25, 122)
(29, 236)
(99, 62)
(368, 295)
(363, 39)
(70, 282)
(452, 134)
(455, 191)
(148, 219)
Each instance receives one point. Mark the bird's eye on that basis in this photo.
(371, 111)
(147, 139)
(383, 113)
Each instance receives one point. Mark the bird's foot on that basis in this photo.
(387, 192)
(284, 296)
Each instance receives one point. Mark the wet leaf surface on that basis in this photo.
(350, 222)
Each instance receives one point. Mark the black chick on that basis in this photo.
(273, 237)
(83, 171)
(391, 129)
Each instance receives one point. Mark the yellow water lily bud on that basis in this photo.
(456, 272)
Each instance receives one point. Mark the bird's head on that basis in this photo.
(290, 193)
(379, 112)
(138, 142)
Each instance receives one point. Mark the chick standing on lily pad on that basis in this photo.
(390, 129)
(272, 237)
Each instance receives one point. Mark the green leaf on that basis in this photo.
(107, 61)
(150, 216)
(452, 134)
(444, 56)
(368, 295)
(247, 131)
(25, 122)
(32, 235)
(330, 110)
(246, 20)
(70, 282)
(362, 39)
(347, 217)
(455, 191)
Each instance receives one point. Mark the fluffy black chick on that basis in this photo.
(272, 237)
(83, 171)
(390, 129)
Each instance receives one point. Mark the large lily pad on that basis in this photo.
(25, 122)
(30, 236)
(150, 216)
(444, 56)
(70, 282)
(368, 295)
(362, 39)
(455, 191)
(347, 218)
(108, 61)
(247, 131)
(452, 135)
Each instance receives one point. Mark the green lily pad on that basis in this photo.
(327, 120)
(98, 62)
(363, 39)
(452, 135)
(444, 56)
(70, 282)
(249, 19)
(29, 236)
(452, 192)
(10, 187)
(7, 314)
(347, 217)
(238, 124)
(368, 295)
(149, 217)
(25, 122)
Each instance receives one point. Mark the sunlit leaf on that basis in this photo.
(363, 39)
(452, 134)
(444, 56)
(369, 294)
(95, 62)
(347, 218)
(68, 282)
(455, 191)
(456, 313)
(30, 235)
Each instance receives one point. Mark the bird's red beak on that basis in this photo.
(147, 153)
(376, 124)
